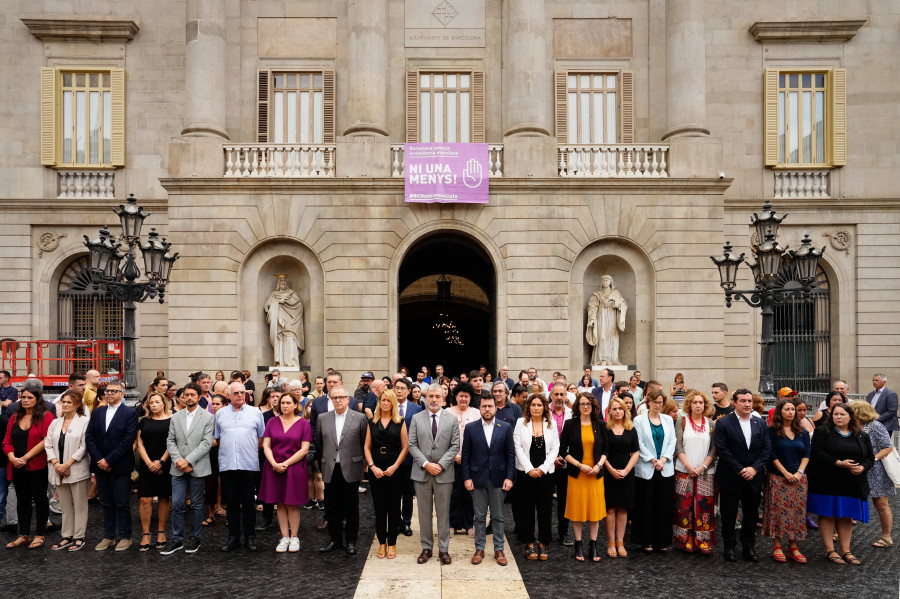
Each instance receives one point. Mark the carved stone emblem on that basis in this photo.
(48, 242)
(445, 12)
(841, 240)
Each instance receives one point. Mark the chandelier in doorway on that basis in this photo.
(444, 324)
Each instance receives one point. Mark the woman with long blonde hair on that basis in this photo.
(623, 450)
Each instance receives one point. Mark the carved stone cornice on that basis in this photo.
(81, 29)
(831, 30)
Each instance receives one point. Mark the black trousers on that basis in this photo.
(562, 486)
(386, 494)
(651, 519)
(342, 507)
(462, 511)
(535, 494)
(114, 493)
(31, 485)
(237, 492)
(406, 510)
(746, 493)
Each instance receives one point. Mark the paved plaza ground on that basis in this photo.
(312, 575)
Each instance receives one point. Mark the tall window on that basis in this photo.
(805, 118)
(445, 106)
(82, 117)
(802, 330)
(594, 108)
(295, 107)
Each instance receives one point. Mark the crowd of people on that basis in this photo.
(662, 464)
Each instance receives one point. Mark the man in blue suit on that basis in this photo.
(885, 403)
(408, 409)
(742, 446)
(110, 438)
(488, 468)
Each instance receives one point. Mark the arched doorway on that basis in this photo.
(447, 305)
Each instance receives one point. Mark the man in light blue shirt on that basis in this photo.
(239, 430)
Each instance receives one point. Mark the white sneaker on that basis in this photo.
(54, 507)
(294, 547)
(283, 545)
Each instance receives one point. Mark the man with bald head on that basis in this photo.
(90, 388)
(239, 431)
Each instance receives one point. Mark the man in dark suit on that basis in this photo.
(488, 468)
(885, 403)
(408, 409)
(110, 439)
(340, 438)
(742, 446)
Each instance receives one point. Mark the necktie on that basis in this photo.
(434, 425)
(403, 410)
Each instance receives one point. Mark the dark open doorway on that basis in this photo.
(447, 292)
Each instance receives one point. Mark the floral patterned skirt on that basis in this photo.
(694, 512)
(784, 509)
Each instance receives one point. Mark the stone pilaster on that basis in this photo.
(367, 59)
(526, 78)
(685, 69)
(204, 103)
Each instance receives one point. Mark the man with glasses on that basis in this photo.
(407, 409)
(239, 430)
(110, 438)
(340, 438)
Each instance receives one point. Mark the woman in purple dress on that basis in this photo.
(286, 443)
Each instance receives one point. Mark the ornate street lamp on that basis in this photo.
(121, 281)
(770, 260)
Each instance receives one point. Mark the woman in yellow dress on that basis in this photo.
(583, 446)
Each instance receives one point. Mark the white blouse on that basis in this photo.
(696, 446)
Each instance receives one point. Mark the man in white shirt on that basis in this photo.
(604, 390)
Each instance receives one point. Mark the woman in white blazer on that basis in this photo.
(651, 522)
(69, 469)
(537, 446)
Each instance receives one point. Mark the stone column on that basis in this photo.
(204, 100)
(367, 59)
(527, 88)
(685, 69)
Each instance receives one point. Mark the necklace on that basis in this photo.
(538, 440)
(698, 429)
(842, 434)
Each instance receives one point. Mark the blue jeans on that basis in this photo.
(180, 485)
(4, 487)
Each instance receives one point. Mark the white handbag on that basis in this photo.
(892, 466)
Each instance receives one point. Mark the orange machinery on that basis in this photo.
(53, 361)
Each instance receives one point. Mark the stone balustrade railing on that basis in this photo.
(279, 160)
(613, 161)
(85, 184)
(802, 184)
(495, 158)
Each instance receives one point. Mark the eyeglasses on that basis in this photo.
(339, 397)
(585, 405)
(111, 391)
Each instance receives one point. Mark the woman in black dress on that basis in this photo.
(624, 450)
(155, 479)
(386, 447)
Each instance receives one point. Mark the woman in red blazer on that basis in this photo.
(23, 444)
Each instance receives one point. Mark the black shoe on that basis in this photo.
(351, 549)
(320, 505)
(192, 545)
(250, 543)
(331, 546)
(750, 555)
(406, 530)
(265, 525)
(579, 552)
(172, 548)
(309, 505)
(232, 544)
(593, 552)
(729, 554)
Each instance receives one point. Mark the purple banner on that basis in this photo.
(449, 173)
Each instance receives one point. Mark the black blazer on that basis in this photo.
(731, 449)
(116, 444)
(570, 443)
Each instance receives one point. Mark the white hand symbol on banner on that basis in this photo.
(472, 174)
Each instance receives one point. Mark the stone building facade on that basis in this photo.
(627, 138)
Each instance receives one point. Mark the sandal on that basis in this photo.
(21, 540)
(883, 542)
(778, 554)
(530, 553)
(210, 521)
(611, 549)
(63, 544)
(144, 546)
(382, 550)
(37, 543)
(620, 549)
(160, 544)
(796, 555)
(391, 551)
(78, 544)
(543, 553)
(834, 558)
(220, 511)
(848, 557)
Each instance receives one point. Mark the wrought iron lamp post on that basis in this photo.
(768, 292)
(121, 280)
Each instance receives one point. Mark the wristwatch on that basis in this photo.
(371, 464)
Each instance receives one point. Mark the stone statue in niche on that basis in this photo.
(284, 315)
(605, 318)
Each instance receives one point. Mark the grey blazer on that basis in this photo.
(437, 450)
(194, 445)
(353, 440)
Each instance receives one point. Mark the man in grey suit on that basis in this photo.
(340, 439)
(433, 444)
(191, 433)
(885, 403)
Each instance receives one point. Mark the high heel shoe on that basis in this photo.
(382, 551)
(391, 551)
(592, 550)
(579, 553)
(144, 546)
